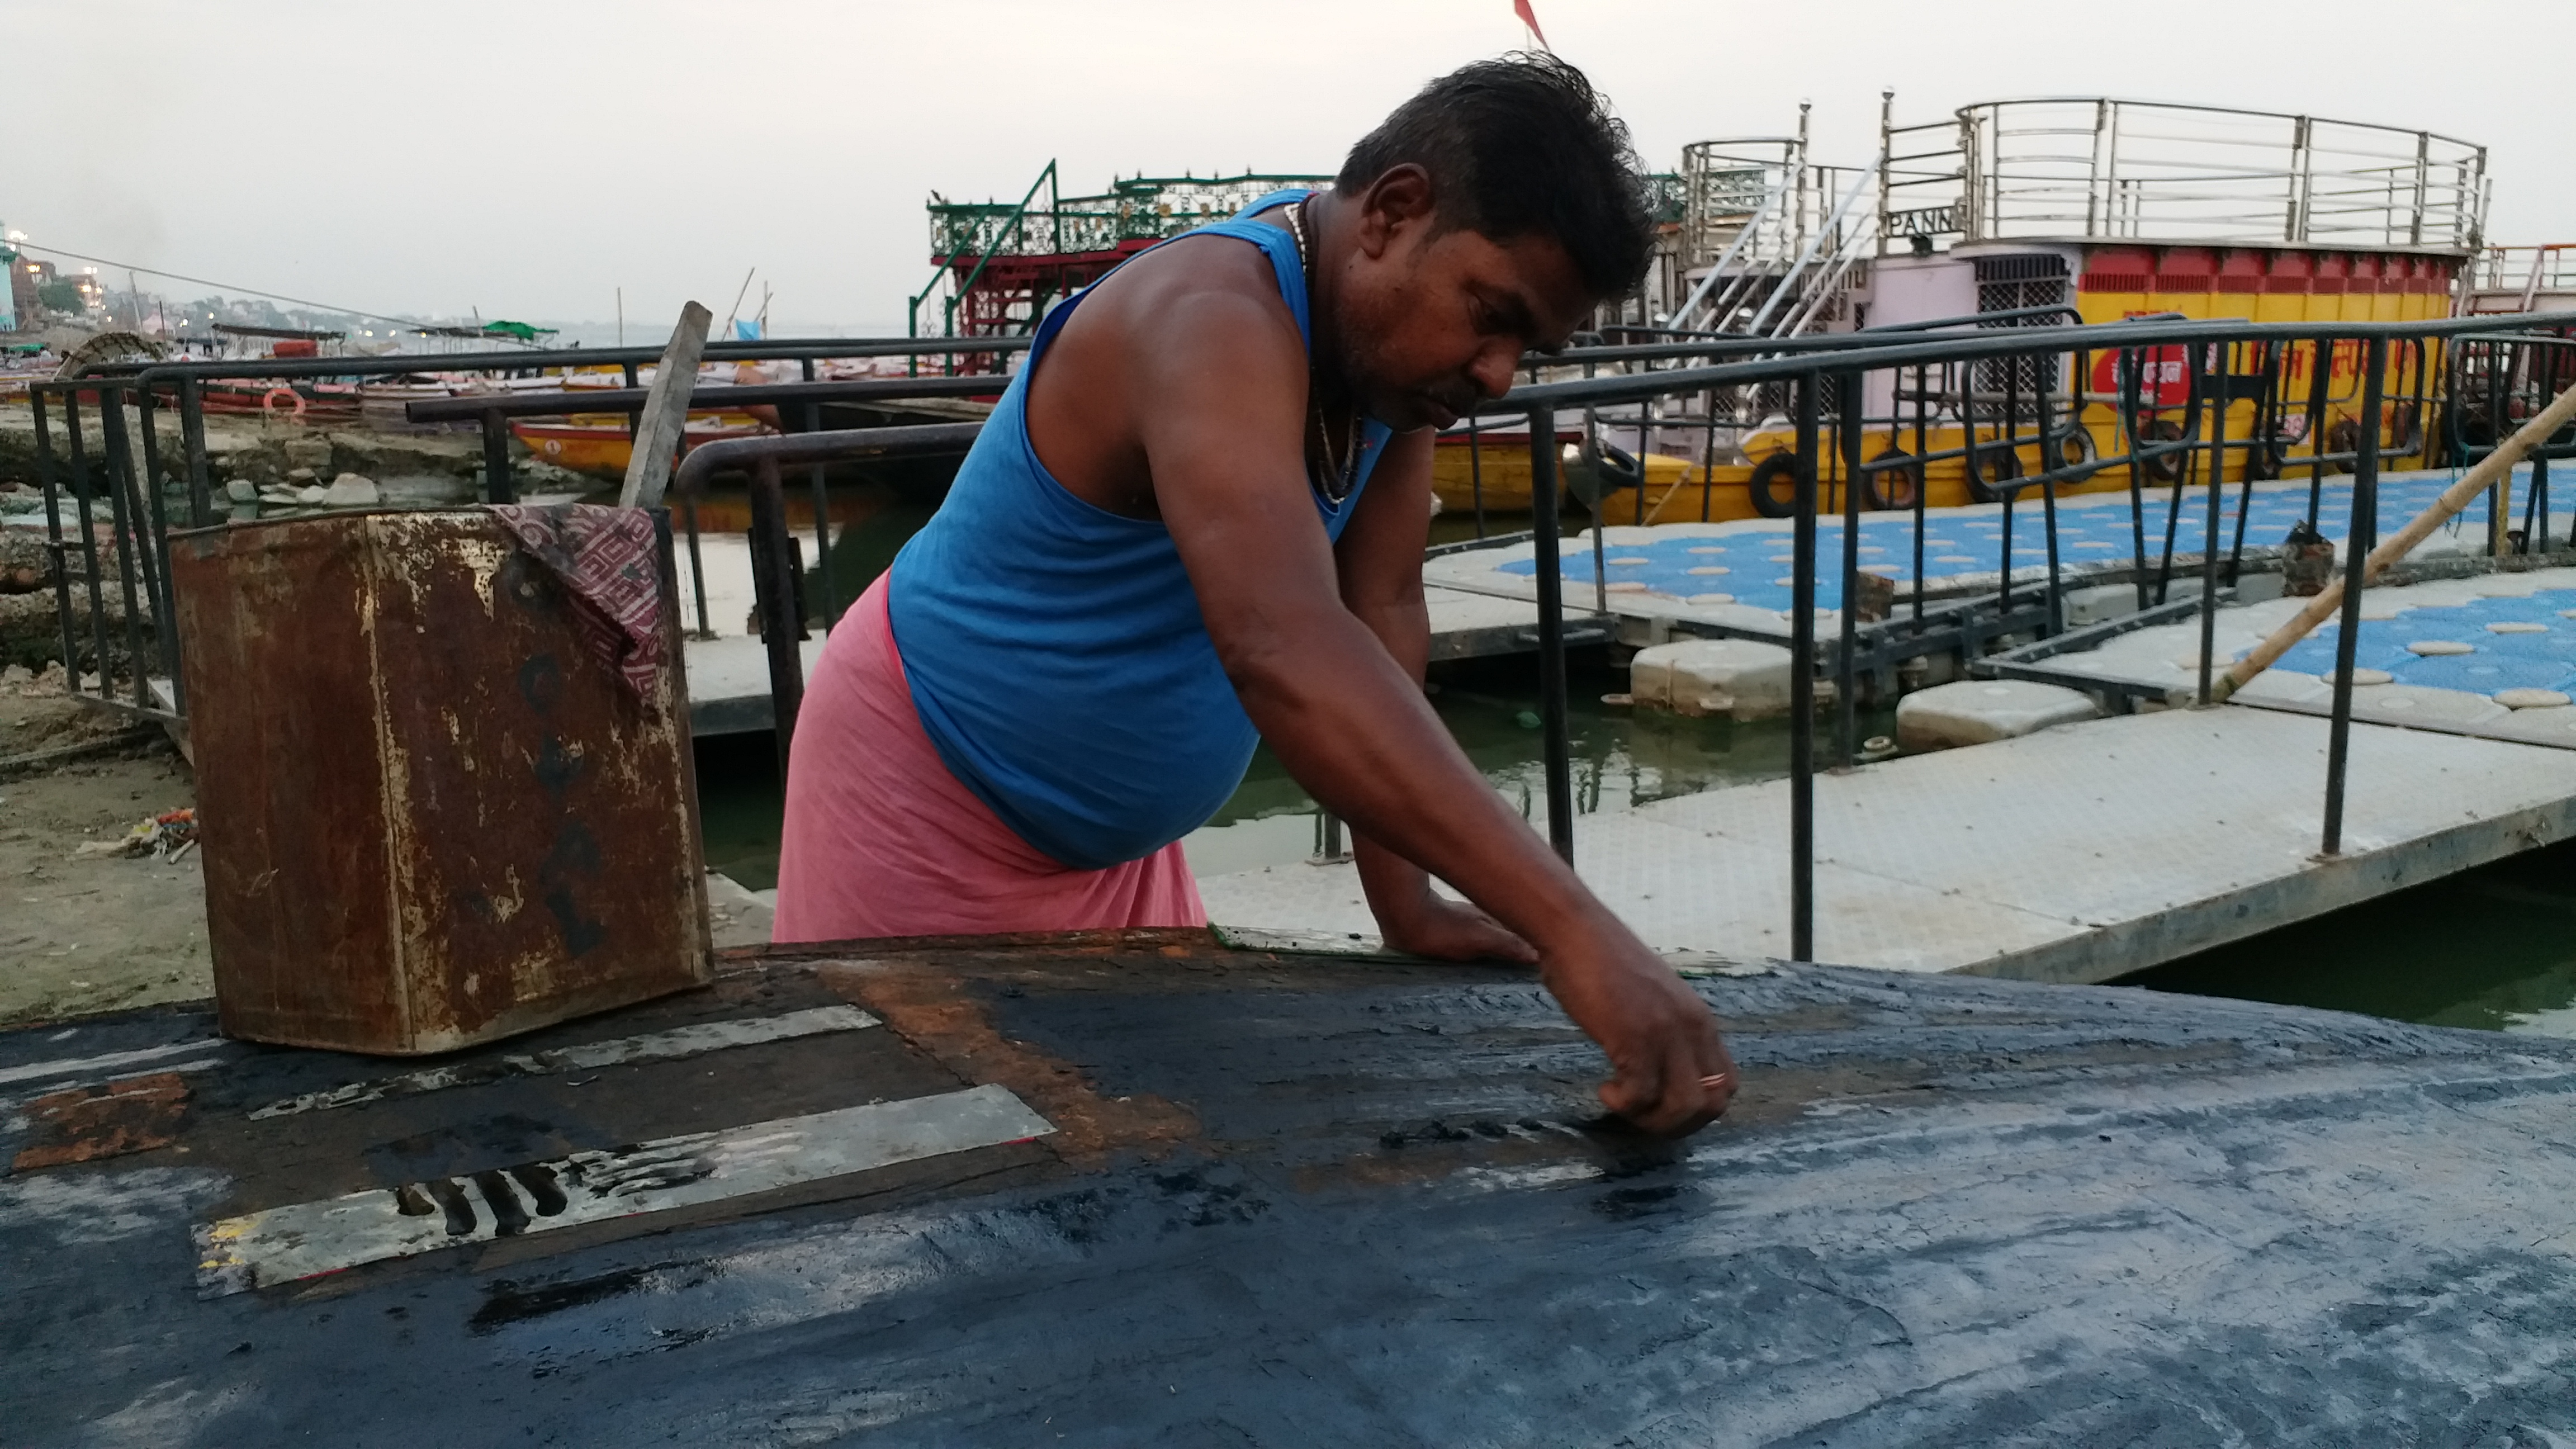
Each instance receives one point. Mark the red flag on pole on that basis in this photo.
(1529, 18)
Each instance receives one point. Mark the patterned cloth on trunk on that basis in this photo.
(606, 559)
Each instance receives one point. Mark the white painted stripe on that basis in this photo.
(70, 1069)
(681, 1041)
(301, 1240)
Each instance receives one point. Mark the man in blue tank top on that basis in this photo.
(1196, 521)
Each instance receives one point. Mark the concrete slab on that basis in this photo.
(729, 683)
(1684, 890)
(2157, 835)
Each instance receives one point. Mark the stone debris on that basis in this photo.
(352, 490)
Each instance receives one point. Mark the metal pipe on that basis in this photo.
(2321, 364)
(543, 359)
(708, 459)
(697, 565)
(45, 470)
(1847, 389)
(2052, 456)
(701, 399)
(2209, 532)
(1922, 483)
(2365, 513)
(81, 495)
(1551, 634)
(157, 547)
(1802, 685)
(1476, 475)
(774, 581)
(134, 560)
(498, 485)
(1783, 361)
(192, 436)
(2132, 367)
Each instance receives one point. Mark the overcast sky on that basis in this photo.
(527, 157)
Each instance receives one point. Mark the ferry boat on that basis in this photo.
(2033, 214)
(2030, 213)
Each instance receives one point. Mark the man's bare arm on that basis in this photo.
(1222, 432)
(1380, 563)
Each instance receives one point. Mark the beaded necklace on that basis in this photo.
(1339, 475)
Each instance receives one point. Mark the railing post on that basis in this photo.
(1802, 685)
(1847, 425)
(45, 478)
(1476, 474)
(192, 436)
(773, 565)
(498, 485)
(136, 541)
(1551, 632)
(2219, 390)
(2132, 367)
(2360, 535)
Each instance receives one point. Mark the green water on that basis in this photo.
(2493, 947)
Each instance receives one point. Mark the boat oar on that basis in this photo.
(2477, 480)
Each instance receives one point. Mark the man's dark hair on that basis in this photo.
(1520, 146)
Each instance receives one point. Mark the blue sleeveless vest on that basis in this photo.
(1055, 650)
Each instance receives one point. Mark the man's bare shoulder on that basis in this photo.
(1216, 289)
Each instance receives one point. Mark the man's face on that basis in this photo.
(1431, 321)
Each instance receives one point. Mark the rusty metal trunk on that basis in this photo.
(431, 817)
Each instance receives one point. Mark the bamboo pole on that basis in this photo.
(2476, 481)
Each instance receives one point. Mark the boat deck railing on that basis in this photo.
(2095, 167)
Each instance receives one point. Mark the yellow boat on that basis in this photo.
(1989, 218)
(598, 444)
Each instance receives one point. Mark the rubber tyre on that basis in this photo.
(2166, 468)
(1779, 471)
(1885, 489)
(2075, 450)
(2003, 464)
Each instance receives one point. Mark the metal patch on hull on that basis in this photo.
(302, 1240)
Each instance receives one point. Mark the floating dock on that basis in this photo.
(2077, 854)
(1735, 576)
(1136, 1190)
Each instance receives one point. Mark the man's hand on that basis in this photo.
(1670, 1073)
(1447, 930)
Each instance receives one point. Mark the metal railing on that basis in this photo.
(2211, 352)
(109, 517)
(2179, 391)
(2516, 277)
(2095, 167)
(2395, 368)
